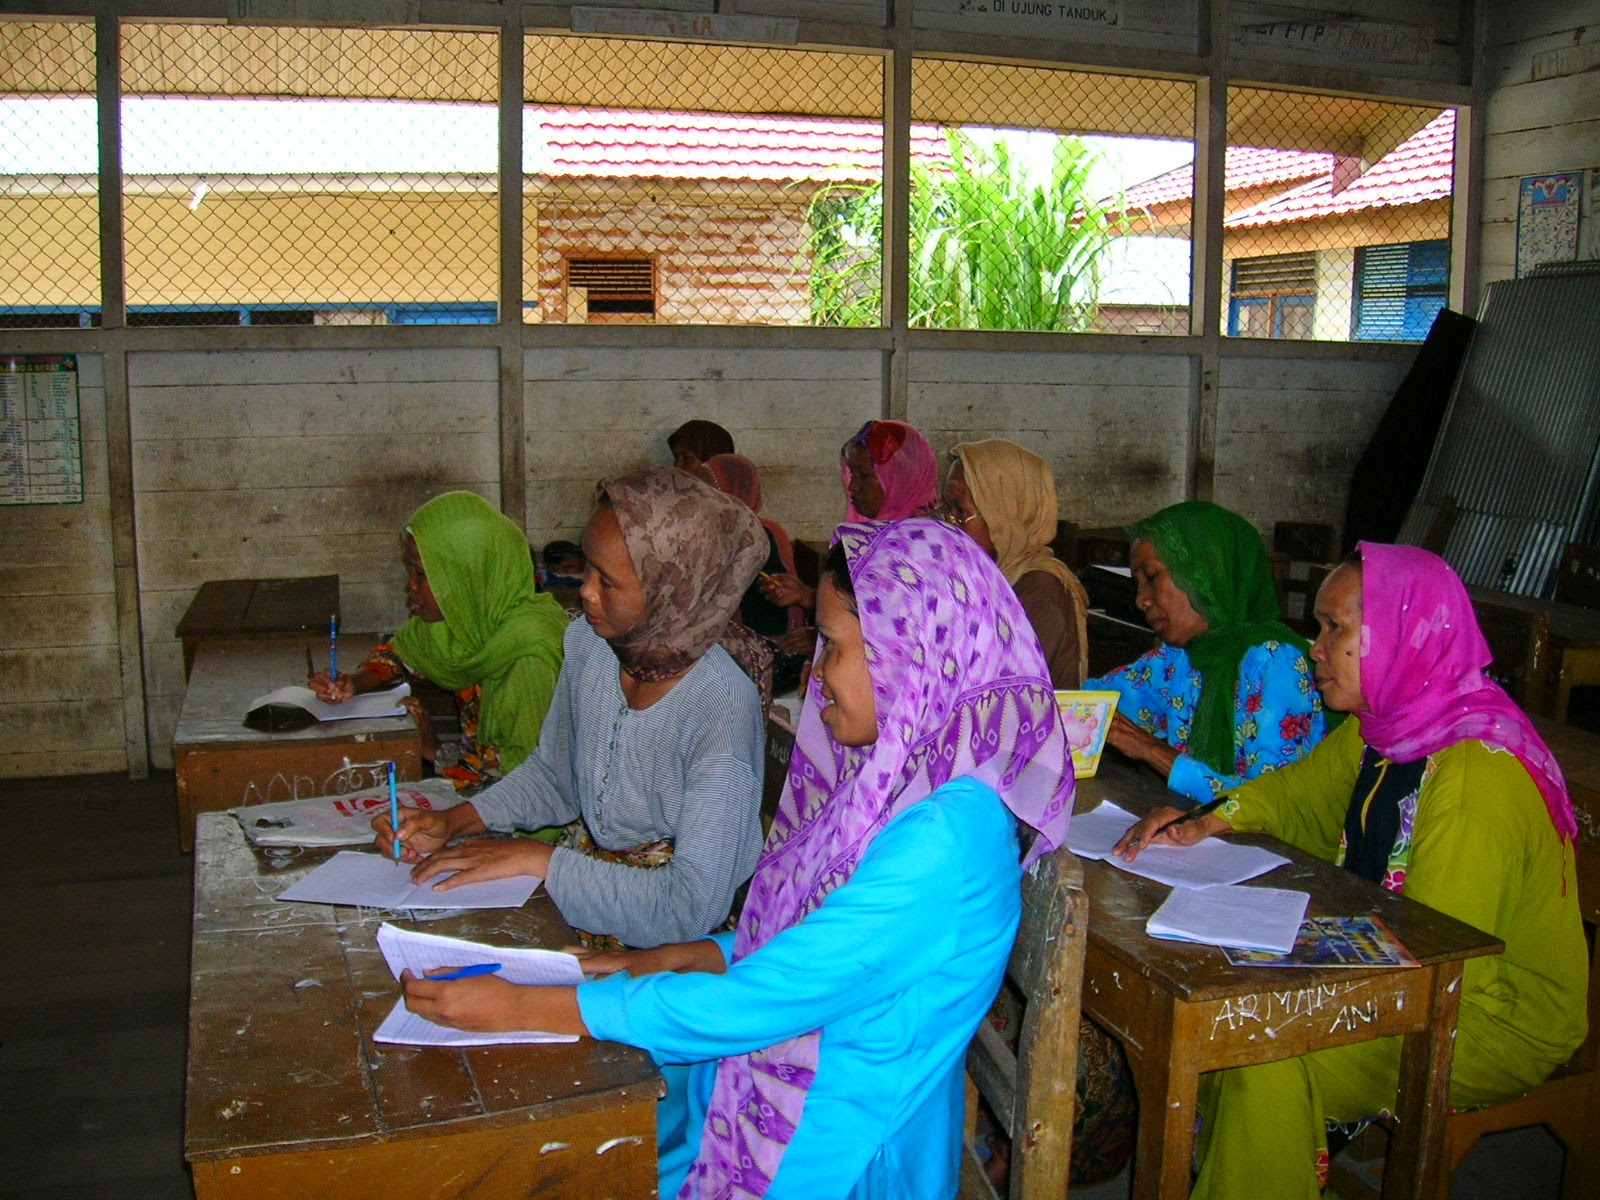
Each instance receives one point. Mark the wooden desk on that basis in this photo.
(288, 1095)
(220, 763)
(1180, 1010)
(1574, 645)
(259, 608)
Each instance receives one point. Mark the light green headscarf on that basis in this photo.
(498, 631)
(1220, 562)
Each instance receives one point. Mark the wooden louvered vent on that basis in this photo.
(615, 285)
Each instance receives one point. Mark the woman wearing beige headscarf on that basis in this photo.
(1005, 498)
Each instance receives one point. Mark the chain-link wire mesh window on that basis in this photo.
(676, 183)
(49, 176)
(1031, 200)
(309, 176)
(1337, 216)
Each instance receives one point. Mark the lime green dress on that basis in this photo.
(1480, 846)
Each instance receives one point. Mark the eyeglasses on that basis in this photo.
(951, 515)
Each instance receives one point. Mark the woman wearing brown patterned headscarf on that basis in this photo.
(653, 744)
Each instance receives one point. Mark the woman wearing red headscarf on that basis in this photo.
(1441, 789)
(889, 473)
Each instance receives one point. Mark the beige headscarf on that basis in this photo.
(1016, 493)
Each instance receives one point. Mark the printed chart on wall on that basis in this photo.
(41, 443)
(1547, 219)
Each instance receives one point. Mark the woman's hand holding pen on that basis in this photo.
(1168, 826)
(489, 1004)
(332, 691)
(786, 591)
(421, 833)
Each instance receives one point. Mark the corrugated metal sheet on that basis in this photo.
(1518, 453)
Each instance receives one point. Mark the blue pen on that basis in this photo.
(468, 972)
(333, 646)
(394, 812)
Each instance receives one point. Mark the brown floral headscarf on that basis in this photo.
(696, 552)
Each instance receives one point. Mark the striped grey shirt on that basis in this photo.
(686, 768)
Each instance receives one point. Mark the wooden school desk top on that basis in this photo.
(221, 762)
(1181, 1009)
(288, 1095)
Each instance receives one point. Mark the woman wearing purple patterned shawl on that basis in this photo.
(818, 1051)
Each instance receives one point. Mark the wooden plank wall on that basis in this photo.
(1289, 432)
(1114, 427)
(283, 463)
(1542, 80)
(592, 413)
(60, 679)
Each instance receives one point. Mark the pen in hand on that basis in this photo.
(467, 972)
(394, 812)
(1194, 814)
(333, 646)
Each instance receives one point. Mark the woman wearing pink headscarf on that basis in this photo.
(1441, 789)
(889, 473)
(736, 476)
(819, 1051)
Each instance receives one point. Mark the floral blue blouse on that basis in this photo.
(1277, 711)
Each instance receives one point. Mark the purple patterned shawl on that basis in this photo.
(961, 689)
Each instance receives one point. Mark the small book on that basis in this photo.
(1334, 942)
(1251, 918)
(1087, 718)
(366, 880)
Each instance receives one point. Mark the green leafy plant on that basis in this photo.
(991, 245)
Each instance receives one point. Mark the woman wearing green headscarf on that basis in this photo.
(1229, 693)
(477, 627)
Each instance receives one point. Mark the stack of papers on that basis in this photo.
(1211, 863)
(408, 949)
(1250, 918)
(370, 880)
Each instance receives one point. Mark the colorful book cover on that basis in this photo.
(1333, 942)
(1087, 718)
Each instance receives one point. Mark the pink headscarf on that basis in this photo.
(737, 476)
(961, 689)
(905, 467)
(1422, 661)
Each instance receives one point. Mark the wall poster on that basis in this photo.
(1547, 219)
(41, 438)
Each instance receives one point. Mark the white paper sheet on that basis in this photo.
(370, 880)
(409, 949)
(344, 820)
(1249, 918)
(367, 705)
(1211, 863)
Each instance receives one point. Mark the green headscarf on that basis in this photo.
(498, 631)
(1220, 562)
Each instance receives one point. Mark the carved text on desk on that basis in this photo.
(1274, 1010)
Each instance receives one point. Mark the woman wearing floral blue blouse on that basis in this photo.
(1228, 695)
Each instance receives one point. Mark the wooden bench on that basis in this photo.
(1033, 1088)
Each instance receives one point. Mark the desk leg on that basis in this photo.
(1168, 1082)
(1415, 1163)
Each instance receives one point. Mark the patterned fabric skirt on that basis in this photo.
(1108, 1108)
(646, 857)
